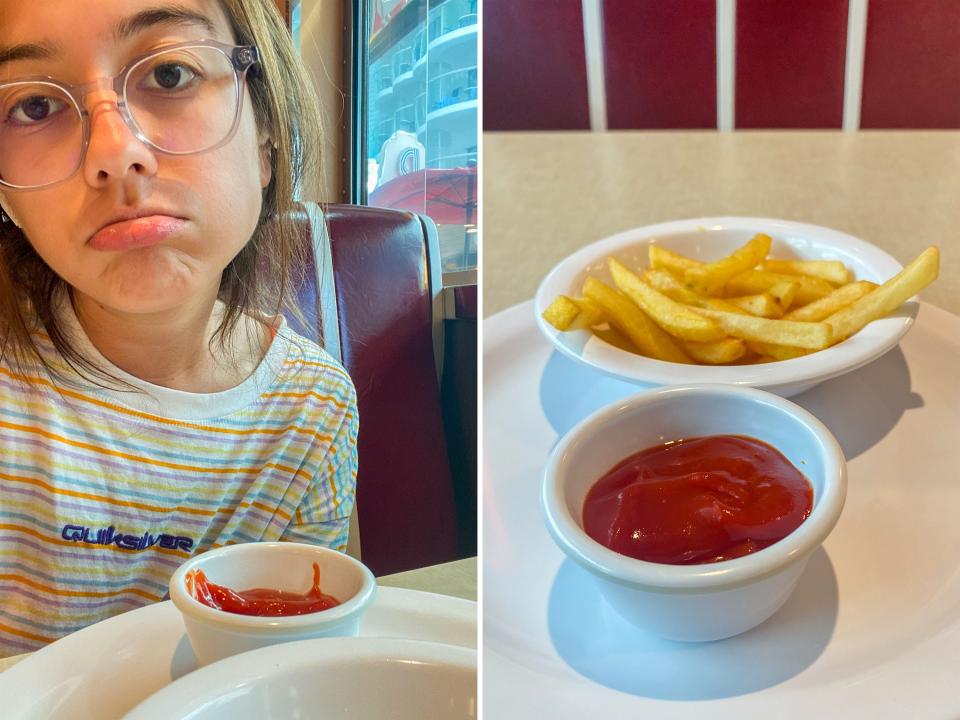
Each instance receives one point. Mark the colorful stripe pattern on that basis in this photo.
(101, 500)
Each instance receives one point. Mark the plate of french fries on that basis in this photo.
(767, 303)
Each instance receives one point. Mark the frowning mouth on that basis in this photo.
(138, 230)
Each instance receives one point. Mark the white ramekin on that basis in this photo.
(215, 634)
(693, 602)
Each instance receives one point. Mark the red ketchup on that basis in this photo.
(699, 500)
(259, 601)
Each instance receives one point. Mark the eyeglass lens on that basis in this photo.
(181, 101)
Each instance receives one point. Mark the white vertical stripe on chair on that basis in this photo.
(593, 53)
(726, 63)
(853, 70)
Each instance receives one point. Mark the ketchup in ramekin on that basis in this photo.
(263, 602)
(698, 500)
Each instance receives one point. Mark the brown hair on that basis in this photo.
(264, 275)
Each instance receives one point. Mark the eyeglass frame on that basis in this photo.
(241, 57)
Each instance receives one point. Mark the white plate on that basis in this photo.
(329, 678)
(873, 629)
(710, 239)
(103, 671)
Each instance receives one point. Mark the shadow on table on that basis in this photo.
(863, 406)
(183, 660)
(860, 408)
(569, 391)
(597, 643)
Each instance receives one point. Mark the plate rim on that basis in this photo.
(271, 661)
(512, 324)
(449, 608)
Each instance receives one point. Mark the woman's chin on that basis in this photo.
(148, 298)
(154, 285)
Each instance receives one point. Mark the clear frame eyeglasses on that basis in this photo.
(182, 99)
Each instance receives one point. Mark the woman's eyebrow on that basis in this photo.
(162, 15)
(143, 20)
(28, 51)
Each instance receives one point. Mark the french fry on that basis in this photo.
(673, 317)
(815, 336)
(650, 338)
(777, 352)
(749, 357)
(612, 336)
(826, 306)
(762, 305)
(717, 352)
(590, 314)
(785, 292)
(888, 297)
(667, 283)
(723, 306)
(832, 271)
(663, 259)
(709, 279)
(561, 312)
(751, 282)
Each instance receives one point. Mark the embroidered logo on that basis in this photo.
(109, 536)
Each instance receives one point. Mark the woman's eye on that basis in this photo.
(36, 109)
(169, 76)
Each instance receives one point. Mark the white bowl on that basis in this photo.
(215, 634)
(334, 679)
(693, 602)
(709, 239)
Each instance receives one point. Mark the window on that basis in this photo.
(416, 124)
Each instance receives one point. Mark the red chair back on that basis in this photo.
(375, 294)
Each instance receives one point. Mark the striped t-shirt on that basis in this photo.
(104, 492)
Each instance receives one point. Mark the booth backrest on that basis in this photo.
(707, 64)
(374, 293)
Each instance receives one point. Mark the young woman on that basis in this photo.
(153, 401)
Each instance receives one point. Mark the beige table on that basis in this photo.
(454, 578)
(547, 194)
(457, 578)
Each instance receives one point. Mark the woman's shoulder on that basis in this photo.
(306, 362)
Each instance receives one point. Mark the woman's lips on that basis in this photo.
(138, 233)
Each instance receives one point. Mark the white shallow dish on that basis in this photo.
(709, 239)
(105, 670)
(329, 678)
(873, 627)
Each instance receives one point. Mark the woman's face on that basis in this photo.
(198, 210)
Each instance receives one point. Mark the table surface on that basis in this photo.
(545, 194)
(458, 578)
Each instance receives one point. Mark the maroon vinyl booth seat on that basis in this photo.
(373, 292)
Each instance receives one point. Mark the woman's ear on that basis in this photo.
(267, 149)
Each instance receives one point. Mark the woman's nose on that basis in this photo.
(114, 151)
